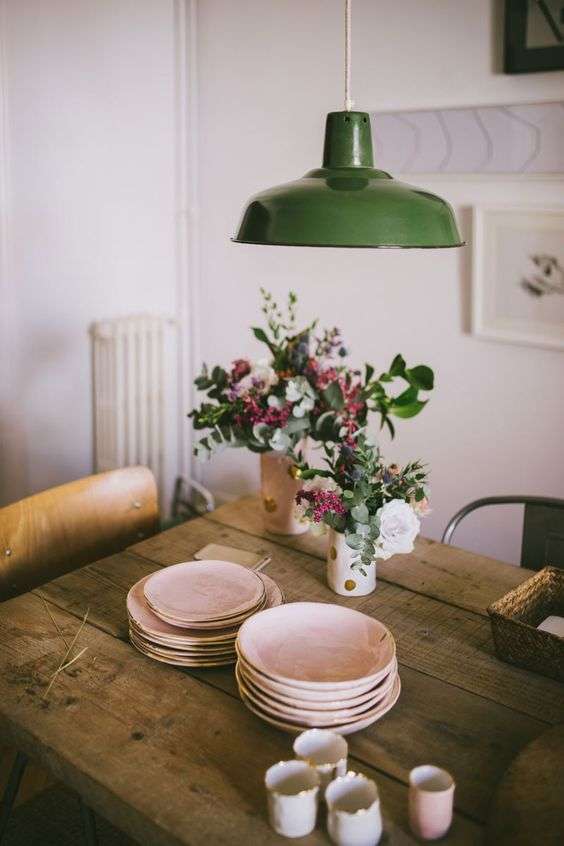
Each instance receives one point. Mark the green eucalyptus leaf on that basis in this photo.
(334, 396)
(219, 376)
(397, 367)
(421, 377)
(391, 428)
(335, 521)
(312, 473)
(406, 398)
(326, 427)
(354, 541)
(261, 336)
(405, 411)
(297, 424)
(360, 513)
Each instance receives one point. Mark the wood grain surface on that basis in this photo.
(173, 756)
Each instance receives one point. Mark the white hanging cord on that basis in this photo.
(348, 102)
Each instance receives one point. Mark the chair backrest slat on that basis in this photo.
(543, 536)
(58, 530)
(543, 527)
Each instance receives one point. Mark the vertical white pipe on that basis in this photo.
(160, 405)
(131, 387)
(143, 326)
(155, 445)
(119, 395)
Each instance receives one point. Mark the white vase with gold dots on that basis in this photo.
(341, 577)
(280, 483)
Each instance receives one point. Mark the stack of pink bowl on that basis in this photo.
(189, 614)
(315, 665)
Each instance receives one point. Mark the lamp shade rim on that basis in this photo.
(350, 246)
(348, 203)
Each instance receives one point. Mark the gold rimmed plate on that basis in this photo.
(366, 720)
(316, 646)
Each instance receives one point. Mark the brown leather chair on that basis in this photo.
(54, 532)
(58, 530)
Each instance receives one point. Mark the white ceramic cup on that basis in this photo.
(353, 811)
(325, 750)
(431, 795)
(293, 791)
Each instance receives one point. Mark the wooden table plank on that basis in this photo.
(442, 640)
(166, 758)
(432, 722)
(447, 573)
(460, 707)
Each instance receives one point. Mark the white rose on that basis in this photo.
(399, 526)
(296, 389)
(303, 407)
(262, 372)
(280, 441)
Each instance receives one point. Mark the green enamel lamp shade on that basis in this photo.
(347, 203)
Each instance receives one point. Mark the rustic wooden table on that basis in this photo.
(174, 757)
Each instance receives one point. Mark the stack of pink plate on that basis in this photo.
(189, 614)
(312, 665)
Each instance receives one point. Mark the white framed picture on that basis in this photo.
(518, 275)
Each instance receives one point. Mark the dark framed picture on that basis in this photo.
(534, 35)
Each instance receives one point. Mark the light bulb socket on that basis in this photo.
(348, 140)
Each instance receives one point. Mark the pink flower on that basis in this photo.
(326, 377)
(255, 413)
(241, 367)
(321, 502)
(421, 507)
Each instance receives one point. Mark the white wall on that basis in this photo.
(269, 71)
(89, 213)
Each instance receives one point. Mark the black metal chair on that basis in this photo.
(543, 527)
(190, 499)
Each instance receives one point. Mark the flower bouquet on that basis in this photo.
(371, 510)
(302, 391)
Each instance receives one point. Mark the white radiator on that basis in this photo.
(128, 357)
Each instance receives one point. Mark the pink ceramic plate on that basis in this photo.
(348, 728)
(201, 645)
(184, 662)
(196, 652)
(307, 716)
(318, 695)
(296, 701)
(202, 591)
(315, 645)
(148, 622)
(211, 625)
(181, 657)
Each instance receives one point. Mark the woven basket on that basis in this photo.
(515, 617)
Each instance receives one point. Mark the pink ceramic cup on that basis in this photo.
(431, 795)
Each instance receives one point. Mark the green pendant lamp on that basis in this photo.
(347, 202)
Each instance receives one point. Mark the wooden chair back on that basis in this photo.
(58, 530)
(543, 528)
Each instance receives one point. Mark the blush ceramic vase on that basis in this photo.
(341, 578)
(278, 494)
